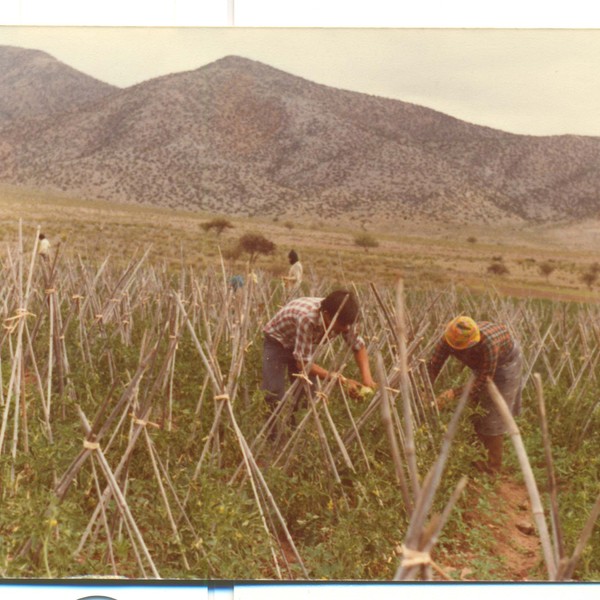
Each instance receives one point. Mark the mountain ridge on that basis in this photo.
(35, 84)
(237, 136)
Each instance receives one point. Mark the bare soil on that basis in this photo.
(517, 541)
(515, 550)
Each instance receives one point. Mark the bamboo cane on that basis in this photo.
(387, 422)
(406, 572)
(411, 457)
(120, 498)
(256, 471)
(552, 488)
(426, 496)
(109, 541)
(163, 495)
(536, 505)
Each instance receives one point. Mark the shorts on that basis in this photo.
(509, 381)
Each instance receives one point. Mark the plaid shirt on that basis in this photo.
(492, 349)
(299, 326)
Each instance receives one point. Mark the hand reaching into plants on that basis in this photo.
(357, 390)
(448, 396)
(352, 386)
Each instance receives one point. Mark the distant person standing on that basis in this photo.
(44, 248)
(294, 276)
(236, 282)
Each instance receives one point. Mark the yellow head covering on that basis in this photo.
(461, 333)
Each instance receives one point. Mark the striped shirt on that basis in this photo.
(493, 348)
(298, 326)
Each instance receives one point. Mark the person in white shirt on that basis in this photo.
(294, 276)
(44, 247)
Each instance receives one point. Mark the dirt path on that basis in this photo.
(517, 541)
(514, 552)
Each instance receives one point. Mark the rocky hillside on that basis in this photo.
(240, 137)
(34, 84)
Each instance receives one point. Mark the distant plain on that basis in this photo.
(425, 254)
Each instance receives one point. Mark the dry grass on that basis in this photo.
(425, 254)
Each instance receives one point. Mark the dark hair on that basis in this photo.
(41, 236)
(348, 313)
(293, 256)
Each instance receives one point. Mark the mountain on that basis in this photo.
(34, 84)
(240, 137)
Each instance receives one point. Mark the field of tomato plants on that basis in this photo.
(135, 442)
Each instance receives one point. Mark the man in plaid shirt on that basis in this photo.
(292, 336)
(490, 351)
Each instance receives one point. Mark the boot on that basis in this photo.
(493, 444)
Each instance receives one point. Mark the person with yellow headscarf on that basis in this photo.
(490, 351)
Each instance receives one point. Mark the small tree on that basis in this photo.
(546, 269)
(219, 224)
(366, 241)
(472, 239)
(255, 244)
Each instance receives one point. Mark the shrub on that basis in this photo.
(366, 241)
(498, 268)
(219, 224)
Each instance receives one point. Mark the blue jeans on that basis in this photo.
(278, 360)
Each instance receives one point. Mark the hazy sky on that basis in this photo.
(533, 81)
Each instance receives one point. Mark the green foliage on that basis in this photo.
(346, 524)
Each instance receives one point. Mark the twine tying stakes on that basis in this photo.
(414, 558)
(142, 422)
(10, 323)
(303, 376)
(90, 445)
